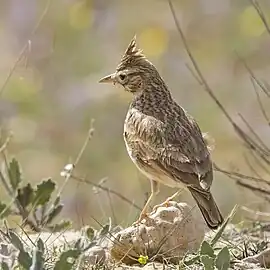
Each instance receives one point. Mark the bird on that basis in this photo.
(162, 139)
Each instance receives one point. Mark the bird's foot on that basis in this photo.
(142, 217)
(167, 202)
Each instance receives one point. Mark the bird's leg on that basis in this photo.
(154, 192)
(167, 201)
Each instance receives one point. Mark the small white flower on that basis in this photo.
(69, 167)
(67, 170)
(64, 174)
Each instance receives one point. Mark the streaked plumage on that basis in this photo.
(162, 139)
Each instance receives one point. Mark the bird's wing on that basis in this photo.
(178, 150)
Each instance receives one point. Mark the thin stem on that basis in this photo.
(237, 176)
(87, 140)
(260, 102)
(6, 143)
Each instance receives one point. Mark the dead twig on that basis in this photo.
(250, 143)
(254, 189)
(260, 149)
(239, 176)
(255, 215)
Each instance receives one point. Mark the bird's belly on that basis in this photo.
(150, 172)
(160, 177)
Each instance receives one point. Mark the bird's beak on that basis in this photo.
(108, 79)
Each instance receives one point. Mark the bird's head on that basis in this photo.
(134, 70)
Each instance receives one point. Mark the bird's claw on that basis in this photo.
(168, 201)
(165, 203)
(140, 219)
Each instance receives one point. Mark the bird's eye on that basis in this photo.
(122, 77)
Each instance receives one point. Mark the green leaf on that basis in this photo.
(40, 245)
(90, 233)
(25, 195)
(206, 249)
(4, 210)
(44, 192)
(14, 174)
(79, 244)
(223, 226)
(38, 259)
(223, 259)
(192, 261)
(143, 259)
(24, 259)
(15, 240)
(4, 266)
(67, 259)
(104, 230)
(60, 226)
(54, 213)
(208, 262)
(57, 201)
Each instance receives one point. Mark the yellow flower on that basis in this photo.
(143, 259)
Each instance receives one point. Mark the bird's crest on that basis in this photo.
(131, 56)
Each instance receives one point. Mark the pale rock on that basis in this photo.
(96, 255)
(168, 233)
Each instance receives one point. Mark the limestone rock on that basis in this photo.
(96, 256)
(263, 258)
(168, 233)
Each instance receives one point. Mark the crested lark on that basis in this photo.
(164, 142)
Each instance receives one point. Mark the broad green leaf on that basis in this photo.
(4, 266)
(24, 259)
(206, 249)
(25, 195)
(14, 174)
(54, 213)
(208, 262)
(15, 240)
(67, 259)
(44, 192)
(90, 233)
(38, 256)
(223, 259)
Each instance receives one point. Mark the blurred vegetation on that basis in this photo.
(53, 93)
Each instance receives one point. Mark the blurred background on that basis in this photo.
(53, 93)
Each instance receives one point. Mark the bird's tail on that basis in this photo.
(208, 207)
